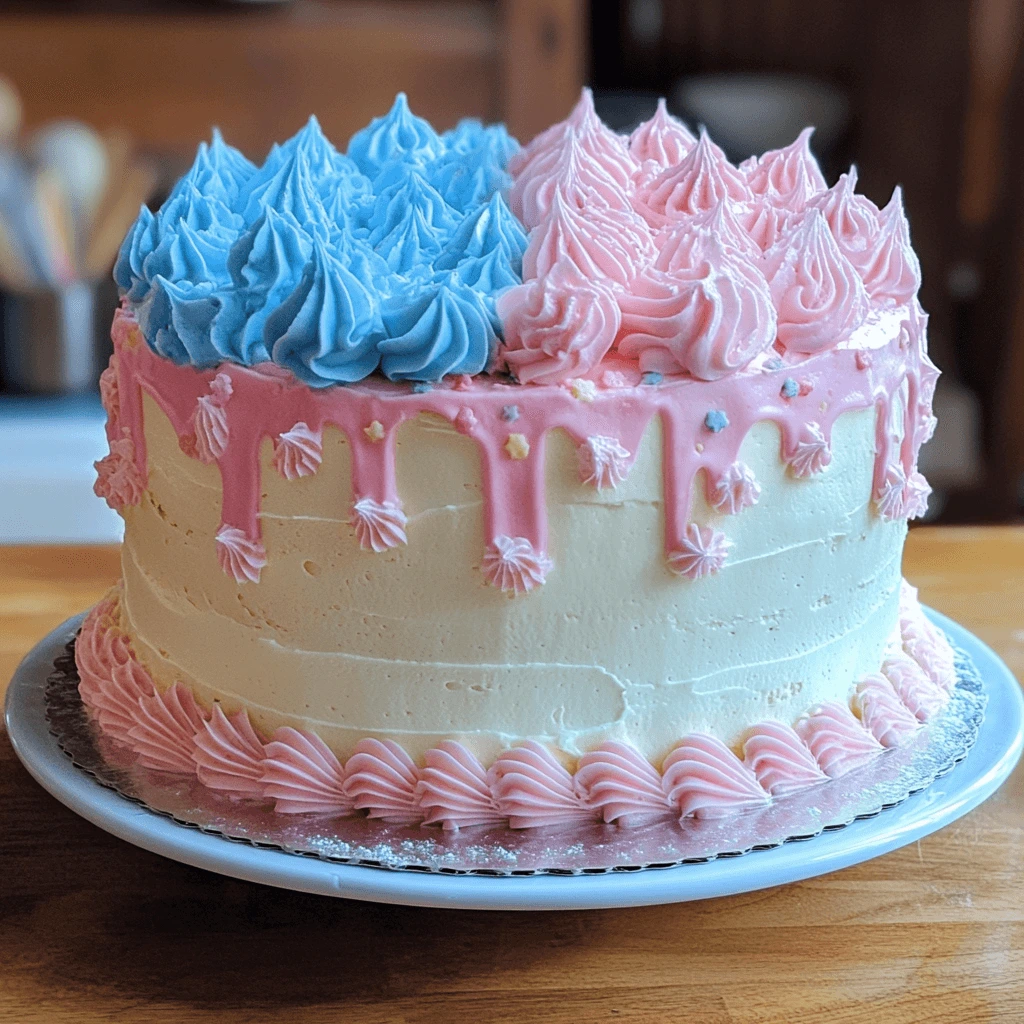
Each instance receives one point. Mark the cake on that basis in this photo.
(470, 484)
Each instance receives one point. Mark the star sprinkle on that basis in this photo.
(583, 390)
(510, 413)
(716, 420)
(790, 388)
(375, 431)
(651, 377)
(517, 446)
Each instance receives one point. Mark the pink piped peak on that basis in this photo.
(837, 741)
(780, 760)
(703, 552)
(602, 461)
(378, 525)
(924, 697)
(453, 791)
(118, 480)
(239, 556)
(819, 296)
(511, 564)
(298, 452)
(736, 489)
(789, 177)
(533, 789)
(165, 730)
(302, 775)
(622, 785)
(525, 787)
(229, 755)
(852, 219)
(381, 779)
(210, 422)
(884, 715)
(702, 777)
(663, 139)
(893, 274)
(812, 452)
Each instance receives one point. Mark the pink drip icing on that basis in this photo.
(780, 759)
(229, 755)
(702, 777)
(837, 740)
(533, 789)
(164, 733)
(265, 404)
(622, 785)
(381, 779)
(453, 790)
(884, 715)
(302, 775)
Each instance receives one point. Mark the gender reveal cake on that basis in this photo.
(469, 484)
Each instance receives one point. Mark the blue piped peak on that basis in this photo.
(388, 257)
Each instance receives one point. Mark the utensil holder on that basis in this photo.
(53, 342)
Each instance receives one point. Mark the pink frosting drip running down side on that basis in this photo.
(526, 787)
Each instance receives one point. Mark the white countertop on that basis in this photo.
(47, 450)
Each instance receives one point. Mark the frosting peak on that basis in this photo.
(789, 177)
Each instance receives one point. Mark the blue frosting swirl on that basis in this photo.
(327, 331)
(334, 265)
(447, 330)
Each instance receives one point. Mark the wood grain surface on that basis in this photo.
(93, 929)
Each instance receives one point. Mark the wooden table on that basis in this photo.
(93, 929)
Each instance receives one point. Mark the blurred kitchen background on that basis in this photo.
(102, 105)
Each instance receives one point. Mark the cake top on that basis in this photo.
(418, 255)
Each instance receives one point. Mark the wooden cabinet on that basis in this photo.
(168, 72)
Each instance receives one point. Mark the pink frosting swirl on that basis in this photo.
(852, 219)
(709, 321)
(765, 222)
(622, 785)
(924, 643)
(453, 790)
(921, 695)
(298, 452)
(683, 244)
(239, 556)
(381, 779)
(837, 740)
(811, 453)
(533, 789)
(112, 681)
(597, 245)
(118, 480)
(884, 715)
(703, 551)
(700, 182)
(788, 177)
(892, 275)
(780, 760)
(164, 733)
(702, 777)
(602, 461)
(378, 525)
(109, 395)
(302, 775)
(229, 755)
(663, 139)
(558, 327)
(819, 297)
(210, 420)
(513, 565)
(736, 489)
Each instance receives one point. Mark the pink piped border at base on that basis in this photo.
(527, 786)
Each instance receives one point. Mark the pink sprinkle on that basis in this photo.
(863, 359)
(465, 421)
(806, 387)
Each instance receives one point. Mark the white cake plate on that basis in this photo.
(994, 755)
